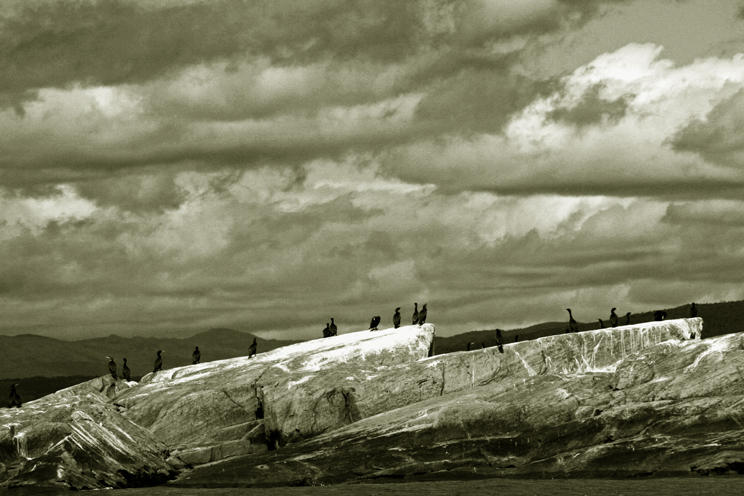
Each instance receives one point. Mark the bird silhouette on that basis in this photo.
(252, 349)
(396, 318)
(693, 310)
(613, 317)
(374, 323)
(158, 362)
(125, 372)
(422, 315)
(415, 318)
(112, 367)
(14, 398)
(601, 324)
(195, 356)
(572, 326)
(327, 330)
(627, 318)
(500, 340)
(333, 329)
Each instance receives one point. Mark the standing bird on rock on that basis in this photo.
(112, 367)
(252, 349)
(195, 356)
(14, 398)
(125, 372)
(572, 326)
(613, 317)
(414, 318)
(627, 318)
(374, 323)
(422, 315)
(333, 328)
(158, 362)
(500, 340)
(396, 318)
(693, 310)
(327, 331)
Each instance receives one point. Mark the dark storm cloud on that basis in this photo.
(718, 137)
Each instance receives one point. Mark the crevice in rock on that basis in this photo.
(441, 391)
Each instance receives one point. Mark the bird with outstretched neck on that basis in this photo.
(396, 318)
(572, 325)
(158, 362)
(422, 315)
(195, 356)
(125, 372)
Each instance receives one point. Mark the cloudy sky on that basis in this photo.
(167, 166)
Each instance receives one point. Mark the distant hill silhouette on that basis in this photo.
(28, 355)
(718, 318)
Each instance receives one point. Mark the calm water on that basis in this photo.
(717, 486)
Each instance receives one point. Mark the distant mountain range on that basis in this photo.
(29, 356)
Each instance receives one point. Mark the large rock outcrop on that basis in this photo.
(374, 404)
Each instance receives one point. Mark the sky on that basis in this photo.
(169, 166)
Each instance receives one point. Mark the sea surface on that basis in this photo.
(672, 486)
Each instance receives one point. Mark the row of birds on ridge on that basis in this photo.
(418, 318)
(126, 374)
(614, 319)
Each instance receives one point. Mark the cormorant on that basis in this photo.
(414, 318)
(15, 398)
(112, 367)
(500, 340)
(327, 331)
(693, 310)
(396, 318)
(195, 356)
(252, 349)
(333, 328)
(572, 326)
(158, 362)
(422, 315)
(374, 323)
(601, 324)
(125, 372)
(660, 315)
(627, 318)
(613, 317)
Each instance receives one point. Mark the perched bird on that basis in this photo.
(195, 356)
(660, 315)
(252, 349)
(333, 328)
(601, 324)
(414, 318)
(125, 372)
(572, 326)
(422, 315)
(158, 362)
(627, 318)
(396, 318)
(613, 317)
(112, 367)
(14, 398)
(374, 323)
(500, 340)
(327, 331)
(693, 310)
